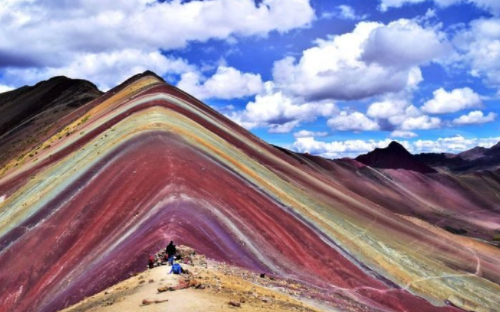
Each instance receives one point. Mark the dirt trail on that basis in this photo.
(217, 288)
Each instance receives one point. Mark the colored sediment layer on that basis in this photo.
(148, 164)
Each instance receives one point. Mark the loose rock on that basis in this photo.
(148, 302)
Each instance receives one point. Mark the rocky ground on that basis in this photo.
(207, 286)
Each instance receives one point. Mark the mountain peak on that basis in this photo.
(396, 146)
(394, 156)
(146, 74)
(474, 153)
(150, 73)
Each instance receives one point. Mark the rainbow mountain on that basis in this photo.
(92, 183)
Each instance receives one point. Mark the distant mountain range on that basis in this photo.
(478, 158)
(395, 156)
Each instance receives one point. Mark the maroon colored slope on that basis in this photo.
(94, 214)
(464, 202)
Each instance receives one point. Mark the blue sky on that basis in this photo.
(333, 78)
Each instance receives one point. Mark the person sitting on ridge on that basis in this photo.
(171, 251)
(151, 262)
(177, 268)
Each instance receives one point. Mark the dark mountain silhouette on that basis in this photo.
(395, 156)
(18, 106)
(30, 114)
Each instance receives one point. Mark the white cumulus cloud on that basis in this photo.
(454, 101)
(309, 134)
(387, 108)
(279, 113)
(58, 35)
(398, 114)
(474, 118)
(226, 83)
(355, 121)
(403, 134)
(104, 69)
(405, 44)
(479, 45)
(373, 59)
(423, 122)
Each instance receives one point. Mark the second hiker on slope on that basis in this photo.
(171, 251)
